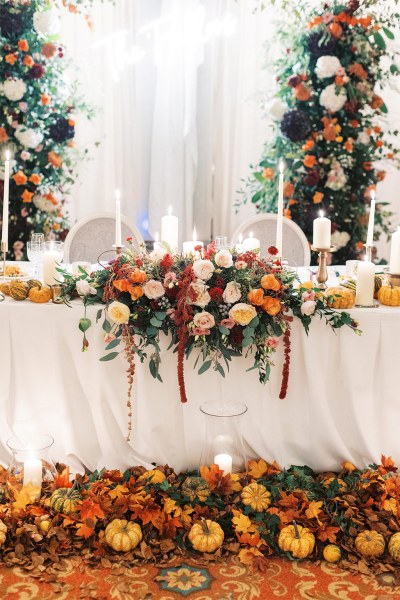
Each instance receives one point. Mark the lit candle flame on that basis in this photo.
(8, 155)
(117, 195)
(170, 210)
(281, 166)
(373, 195)
(321, 213)
(194, 234)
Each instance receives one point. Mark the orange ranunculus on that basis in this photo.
(45, 99)
(358, 70)
(381, 175)
(35, 179)
(360, 245)
(354, 123)
(314, 22)
(270, 282)
(308, 145)
(54, 159)
(390, 155)
(318, 197)
(272, 306)
(136, 292)
(368, 166)
(27, 196)
(376, 102)
(23, 45)
(3, 135)
(71, 122)
(11, 59)
(379, 144)
(336, 30)
(20, 178)
(330, 132)
(56, 226)
(268, 173)
(349, 145)
(49, 50)
(302, 92)
(123, 285)
(377, 129)
(287, 213)
(309, 161)
(256, 296)
(339, 80)
(365, 21)
(292, 202)
(28, 61)
(288, 189)
(138, 276)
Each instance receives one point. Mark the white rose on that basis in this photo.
(332, 101)
(153, 289)
(203, 269)
(202, 295)
(47, 23)
(30, 138)
(232, 292)
(14, 89)
(44, 204)
(157, 254)
(205, 320)
(276, 108)
(118, 312)
(363, 138)
(84, 288)
(308, 308)
(327, 66)
(224, 259)
(340, 239)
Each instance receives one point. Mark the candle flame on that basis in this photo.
(157, 237)
(373, 195)
(117, 195)
(240, 239)
(8, 155)
(281, 166)
(170, 210)
(251, 234)
(321, 213)
(194, 234)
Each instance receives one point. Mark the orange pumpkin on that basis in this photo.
(40, 295)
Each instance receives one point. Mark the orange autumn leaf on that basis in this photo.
(257, 468)
(212, 475)
(327, 532)
(241, 522)
(314, 510)
(390, 505)
(62, 480)
(247, 555)
(84, 531)
(387, 465)
(91, 510)
(248, 538)
(68, 521)
(118, 492)
(288, 500)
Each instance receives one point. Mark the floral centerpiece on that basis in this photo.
(218, 304)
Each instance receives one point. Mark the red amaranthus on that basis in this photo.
(183, 314)
(286, 364)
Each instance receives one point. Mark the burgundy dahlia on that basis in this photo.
(311, 178)
(61, 130)
(36, 72)
(296, 125)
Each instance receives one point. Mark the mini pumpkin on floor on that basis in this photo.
(206, 536)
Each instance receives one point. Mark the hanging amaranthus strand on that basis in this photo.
(129, 351)
(286, 364)
(183, 314)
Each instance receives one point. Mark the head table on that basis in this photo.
(342, 402)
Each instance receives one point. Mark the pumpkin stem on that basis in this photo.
(205, 526)
(296, 530)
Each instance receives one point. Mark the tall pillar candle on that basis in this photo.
(33, 476)
(279, 221)
(224, 462)
(118, 242)
(4, 232)
(371, 222)
(189, 247)
(322, 232)
(394, 265)
(365, 283)
(169, 229)
(250, 244)
(51, 260)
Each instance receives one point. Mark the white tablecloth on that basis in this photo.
(343, 401)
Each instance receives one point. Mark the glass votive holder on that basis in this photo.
(223, 442)
(56, 291)
(31, 465)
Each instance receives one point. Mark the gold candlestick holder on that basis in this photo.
(4, 249)
(118, 249)
(322, 273)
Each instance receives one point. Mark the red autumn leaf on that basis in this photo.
(91, 510)
(212, 475)
(84, 530)
(37, 511)
(288, 500)
(387, 465)
(327, 532)
(62, 480)
(247, 538)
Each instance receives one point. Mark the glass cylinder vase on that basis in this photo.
(223, 442)
(31, 465)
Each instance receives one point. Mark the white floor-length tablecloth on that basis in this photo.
(343, 401)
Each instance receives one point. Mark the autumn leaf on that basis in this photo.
(185, 516)
(68, 521)
(386, 465)
(247, 555)
(118, 492)
(212, 475)
(390, 505)
(62, 480)
(314, 510)
(91, 510)
(241, 522)
(247, 538)
(327, 532)
(84, 531)
(27, 495)
(170, 506)
(288, 500)
(348, 466)
(37, 511)
(257, 468)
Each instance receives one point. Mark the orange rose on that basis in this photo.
(292, 202)
(49, 50)
(302, 92)
(309, 160)
(71, 122)
(54, 159)
(390, 155)
(35, 179)
(3, 135)
(270, 282)
(23, 45)
(11, 59)
(45, 99)
(360, 245)
(376, 102)
(20, 178)
(354, 124)
(136, 292)
(27, 196)
(138, 276)
(314, 22)
(349, 145)
(288, 189)
(272, 306)
(381, 175)
(336, 30)
(268, 173)
(365, 21)
(28, 61)
(256, 296)
(330, 132)
(377, 129)
(368, 166)
(318, 197)
(56, 226)
(308, 145)
(358, 70)
(122, 285)
(339, 80)
(52, 199)
(379, 144)
(287, 213)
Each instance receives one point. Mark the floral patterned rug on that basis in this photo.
(228, 580)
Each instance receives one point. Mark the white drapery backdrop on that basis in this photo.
(178, 85)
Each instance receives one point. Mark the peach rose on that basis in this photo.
(240, 264)
(138, 276)
(153, 289)
(256, 296)
(157, 254)
(224, 259)
(118, 312)
(122, 285)
(228, 323)
(136, 292)
(202, 296)
(203, 269)
(270, 282)
(232, 292)
(272, 306)
(242, 313)
(169, 279)
(203, 320)
(54, 159)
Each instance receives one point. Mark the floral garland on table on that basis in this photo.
(351, 517)
(221, 305)
(328, 120)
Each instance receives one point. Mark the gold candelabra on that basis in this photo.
(322, 273)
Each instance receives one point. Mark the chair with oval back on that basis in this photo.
(263, 226)
(94, 234)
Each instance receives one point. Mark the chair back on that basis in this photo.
(295, 244)
(95, 234)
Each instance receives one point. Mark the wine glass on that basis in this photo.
(37, 237)
(35, 255)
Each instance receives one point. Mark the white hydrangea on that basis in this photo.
(332, 101)
(276, 109)
(44, 204)
(340, 239)
(327, 66)
(30, 138)
(14, 89)
(47, 23)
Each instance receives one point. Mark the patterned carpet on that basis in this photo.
(230, 580)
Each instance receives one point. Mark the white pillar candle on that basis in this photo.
(279, 222)
(365, 283)
(224, 462)
(118, 243)
(239, 244)
(169, 229)
(322, 232)
(51, 260)
(394, 267)
(33, 476)
(6, 194)
(251, 243)
(189, 247)
(371, 221)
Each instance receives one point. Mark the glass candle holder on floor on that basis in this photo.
(31, 465)
(223, 442)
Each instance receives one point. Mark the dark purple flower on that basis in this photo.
(296, 125)
(36, 72)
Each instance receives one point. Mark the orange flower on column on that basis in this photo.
(11, 59)
(20, 178)
(35, 179)
(336, 30)
(28, 61)
(318, 197)
(138, 276)
(381, 175)
(376, 102)
(288, 189)
(23, 45)
(308, 145)
(49, 50)
(45, 99)
(54, 159)
(3, 135)
(272, 306)
(287, 213)
(256, 297)
(358, 70)
(136, 292)
(270, 282)
(302, 92)
(309, 161)
(27, 196)
(368, 166)
(268, 173)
